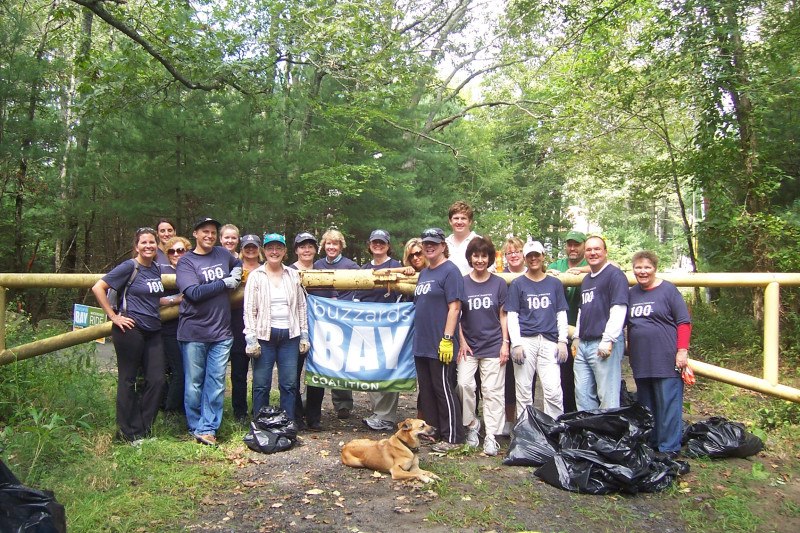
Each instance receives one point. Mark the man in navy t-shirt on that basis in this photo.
(205, 276)
(598, 343)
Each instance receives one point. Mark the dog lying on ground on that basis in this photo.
(396, 455)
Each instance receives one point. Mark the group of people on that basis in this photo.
(476, 336)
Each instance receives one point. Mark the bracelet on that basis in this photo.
(507, 341)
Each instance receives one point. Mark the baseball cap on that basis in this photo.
(206, 220)
(576, 236)
(249, 239)
(432, 235)
(532, 246)
(302, 237)
(379, 235)
(274, 237)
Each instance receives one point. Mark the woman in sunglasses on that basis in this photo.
(136, 334)
(414, 257)
(437, 298)
(175, 248)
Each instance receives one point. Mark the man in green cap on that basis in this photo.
(574, 263)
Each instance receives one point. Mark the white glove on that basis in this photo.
(231, 282)
(604, 349)
(236, 273)
(304, 344)
(253, 348)
(561, 353)
(518, 355)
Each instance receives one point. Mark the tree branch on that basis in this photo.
(95, 7)
(423, 136)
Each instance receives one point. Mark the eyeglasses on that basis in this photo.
(415, 254)
(174, 251)
(515, 252)
(433, 232)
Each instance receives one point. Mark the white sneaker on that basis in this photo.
(472, 434)
(490, 446)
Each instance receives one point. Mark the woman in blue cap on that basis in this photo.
(275, 325)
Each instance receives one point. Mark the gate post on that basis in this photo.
(772, 300)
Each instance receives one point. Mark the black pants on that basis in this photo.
(174, 369)
(341, 399)
(440, 405)
(239, 366)
(138, 349)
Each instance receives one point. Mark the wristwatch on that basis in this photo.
(447, 337)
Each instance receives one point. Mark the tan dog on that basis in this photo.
(396, 455)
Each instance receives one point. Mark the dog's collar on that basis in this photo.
(415, 450)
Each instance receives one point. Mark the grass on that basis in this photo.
(57, 427)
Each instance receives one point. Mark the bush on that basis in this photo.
(779, 414)
(723, 335)
(50, 404)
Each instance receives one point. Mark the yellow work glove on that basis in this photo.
(445, 351)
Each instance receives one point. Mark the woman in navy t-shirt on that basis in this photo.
(659, 328)
(137, 335)
(437, 298)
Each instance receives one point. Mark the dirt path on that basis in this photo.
(308, 489)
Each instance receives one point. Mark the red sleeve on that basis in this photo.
(684, 332)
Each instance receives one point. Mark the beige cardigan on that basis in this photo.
(258, 301)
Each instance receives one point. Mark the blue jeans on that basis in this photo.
(664, 397)
(597, 380)
(284, 352)
(204, 364)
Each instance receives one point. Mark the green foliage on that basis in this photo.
(50, 406)
(779, 413)
(724, 336)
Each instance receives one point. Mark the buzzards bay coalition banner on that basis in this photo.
(360, 346)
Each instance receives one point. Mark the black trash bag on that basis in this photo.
(28, 510)
(274, 420)
(718, 437)
(588, 472)
(616, 433)
(626, 397)
(534, 439)
(265, 441)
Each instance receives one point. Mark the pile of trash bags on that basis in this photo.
(25, 509)
(593, 452)
(271, 431)
(606, 451)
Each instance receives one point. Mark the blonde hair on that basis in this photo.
(226, 227)
(514, 242)
(332, 235)
(261, 256)
(183, 240)
(416, 241)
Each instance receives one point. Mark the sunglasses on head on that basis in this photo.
(176, 251)
(145, 229)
